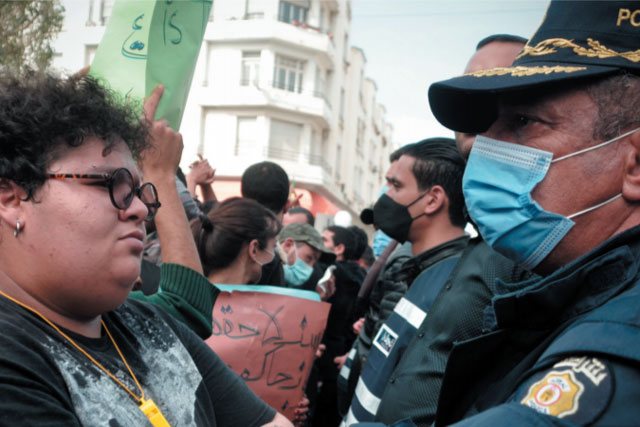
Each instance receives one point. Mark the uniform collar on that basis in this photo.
(579, 287)
(415, 265)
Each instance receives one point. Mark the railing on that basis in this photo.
(303, 25)
(254, 15)
(250, 82)
(275, 153)
(284, 87)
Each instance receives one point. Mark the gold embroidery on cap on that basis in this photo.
(521, 71)
(597, 50)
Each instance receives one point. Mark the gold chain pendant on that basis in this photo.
(153, 413)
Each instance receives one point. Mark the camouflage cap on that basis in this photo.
(302, 232)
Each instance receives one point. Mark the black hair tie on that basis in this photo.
(207, 225)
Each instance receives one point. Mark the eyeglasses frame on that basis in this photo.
(152, 208)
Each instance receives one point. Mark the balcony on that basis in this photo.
(299, 35)
(255, 94)
(309, 168)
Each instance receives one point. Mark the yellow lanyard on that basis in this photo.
(147, 406)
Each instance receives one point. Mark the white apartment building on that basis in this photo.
(275, 80)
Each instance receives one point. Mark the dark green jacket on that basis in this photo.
(186, 295)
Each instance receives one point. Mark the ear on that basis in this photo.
(339, 249)
(436, 199)
(252, 248)
(631, 178)
(287, 246)
(11, 202)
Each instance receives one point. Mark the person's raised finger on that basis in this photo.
(81, 73)
(151, 103)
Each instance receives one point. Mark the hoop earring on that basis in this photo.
(17, 230)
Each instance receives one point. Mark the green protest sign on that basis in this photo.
(148, 42)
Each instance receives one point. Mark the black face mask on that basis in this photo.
(393, 218)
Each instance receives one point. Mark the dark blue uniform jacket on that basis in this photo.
(560, 350)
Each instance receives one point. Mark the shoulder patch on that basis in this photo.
(577, 389)
(385, 339)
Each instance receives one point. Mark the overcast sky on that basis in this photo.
(410, 44)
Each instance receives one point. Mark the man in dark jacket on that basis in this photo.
(424, 206)
(562, 125)
(456, 314)
(268, 184)
(338, 335)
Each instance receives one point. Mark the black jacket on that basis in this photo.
(339, 336)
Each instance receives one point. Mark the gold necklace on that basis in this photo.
(147, 406)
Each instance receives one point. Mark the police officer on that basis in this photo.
(553, 183)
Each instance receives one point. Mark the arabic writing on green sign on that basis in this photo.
(151, 42)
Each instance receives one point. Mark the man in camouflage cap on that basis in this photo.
(301, 247)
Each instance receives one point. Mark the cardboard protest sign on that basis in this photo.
(148, 42)
(269, 340)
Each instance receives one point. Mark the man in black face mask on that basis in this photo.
(457, 314)
(423, 206)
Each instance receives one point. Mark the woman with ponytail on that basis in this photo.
(234, 240)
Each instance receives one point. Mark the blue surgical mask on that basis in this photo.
(380, 242)
(497, 186)
(297, 274)
(380, 239)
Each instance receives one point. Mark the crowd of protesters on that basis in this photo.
(110, 255)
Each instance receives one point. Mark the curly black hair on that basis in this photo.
(42, 114)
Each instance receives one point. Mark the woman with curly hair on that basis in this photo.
(74, 350)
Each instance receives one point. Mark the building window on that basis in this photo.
(315, 156)
(320, 90)
(293, 12)
(284, 140)
(321, 24)
(288, 74)
(250, 69)
(360, 137)
(210, 60)
(338, 162)
(370, 194)
(357, 182)
(90, 22)
(345, 51)
(89, 53)
(254, 10)
(361, 91)
(372, 150)
(342, 96)
(246, 132)
(106, 6)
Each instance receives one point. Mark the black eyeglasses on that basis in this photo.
(122, 189)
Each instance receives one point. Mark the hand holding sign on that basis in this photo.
(147, 43)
